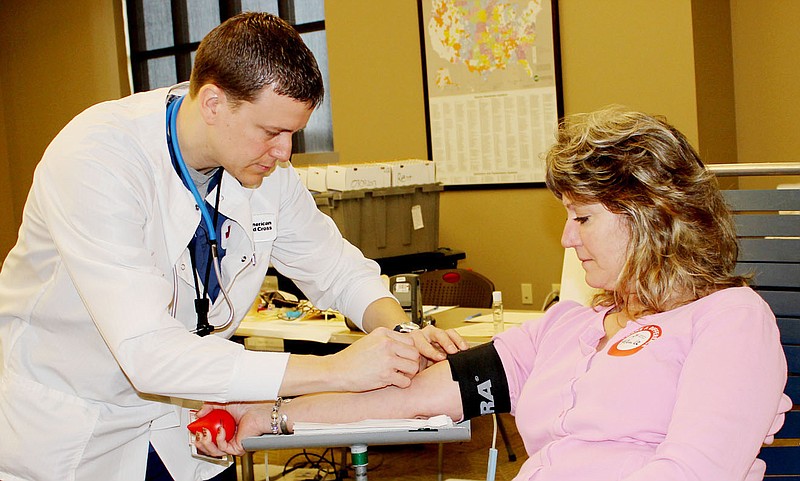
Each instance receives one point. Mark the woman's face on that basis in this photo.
(600, 239)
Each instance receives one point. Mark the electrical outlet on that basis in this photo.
(527, 294)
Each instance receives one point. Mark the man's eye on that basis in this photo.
(581, 219)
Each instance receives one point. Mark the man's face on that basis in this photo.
(250, 138)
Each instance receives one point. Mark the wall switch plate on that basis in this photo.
(527, 294)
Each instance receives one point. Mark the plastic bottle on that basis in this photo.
(497, 312)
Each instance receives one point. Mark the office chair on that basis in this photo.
(463, 288)
(456, 287)
(768, 228)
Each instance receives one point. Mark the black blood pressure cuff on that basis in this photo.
(482, 381)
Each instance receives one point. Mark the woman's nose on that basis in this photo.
(569, 237)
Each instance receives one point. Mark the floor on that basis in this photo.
(466, 460)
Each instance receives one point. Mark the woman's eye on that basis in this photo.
(581, 219)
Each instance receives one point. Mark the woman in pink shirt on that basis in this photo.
(675, 371)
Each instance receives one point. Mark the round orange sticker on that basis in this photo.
(635, 341)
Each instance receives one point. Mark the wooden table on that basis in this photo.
(455, 318)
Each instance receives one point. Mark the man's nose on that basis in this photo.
(282, 147)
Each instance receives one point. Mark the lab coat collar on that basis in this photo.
(183, 216)
(235, 203)
(179, 210)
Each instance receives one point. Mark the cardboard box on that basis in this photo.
(386, 222)
(413, 172)
(317, 178)
(359, 177)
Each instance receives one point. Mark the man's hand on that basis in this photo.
(434, 344)
(381, 358)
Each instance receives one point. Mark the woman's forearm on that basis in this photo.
(432, 392)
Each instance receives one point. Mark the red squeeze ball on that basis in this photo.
(217, 418)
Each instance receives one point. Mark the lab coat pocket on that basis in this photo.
(68, 422)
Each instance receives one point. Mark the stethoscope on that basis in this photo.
(201, 302)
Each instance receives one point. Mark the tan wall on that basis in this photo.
(670, 57)
(634, 53)
(8, 222)
(56, 59)
(376, 80)
(766, 47)
(713, 59)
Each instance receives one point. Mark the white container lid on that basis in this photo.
(497, 296)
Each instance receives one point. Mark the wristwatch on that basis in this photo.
(406, 327)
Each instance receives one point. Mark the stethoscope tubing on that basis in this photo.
(212, 232)
(201, 204)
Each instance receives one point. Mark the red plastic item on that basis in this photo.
(215, 419)
(451, 277)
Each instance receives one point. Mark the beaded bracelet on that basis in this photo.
(275, 418)
(278, 421)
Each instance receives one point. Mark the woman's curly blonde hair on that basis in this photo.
(682, 237)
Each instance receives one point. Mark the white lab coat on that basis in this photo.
(92, 355)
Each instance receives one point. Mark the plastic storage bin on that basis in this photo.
(386, 222)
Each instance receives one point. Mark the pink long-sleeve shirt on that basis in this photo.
(688, 394)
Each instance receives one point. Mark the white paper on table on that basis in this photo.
(508, 317)
(373, 425)
(482, 326)
(431, 310)
(481, 330)
(302, 330)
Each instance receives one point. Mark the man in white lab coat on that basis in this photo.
(97, 298)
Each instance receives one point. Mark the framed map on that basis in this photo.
(492, 88)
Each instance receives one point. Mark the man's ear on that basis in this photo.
(211, 100)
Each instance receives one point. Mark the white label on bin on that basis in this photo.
(416, 217)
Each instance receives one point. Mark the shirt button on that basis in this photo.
(183, 267)
(244, 258)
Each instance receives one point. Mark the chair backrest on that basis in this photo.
(768, 228)
(573, 280)
(456, 287)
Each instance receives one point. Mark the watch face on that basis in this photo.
(406, 327)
